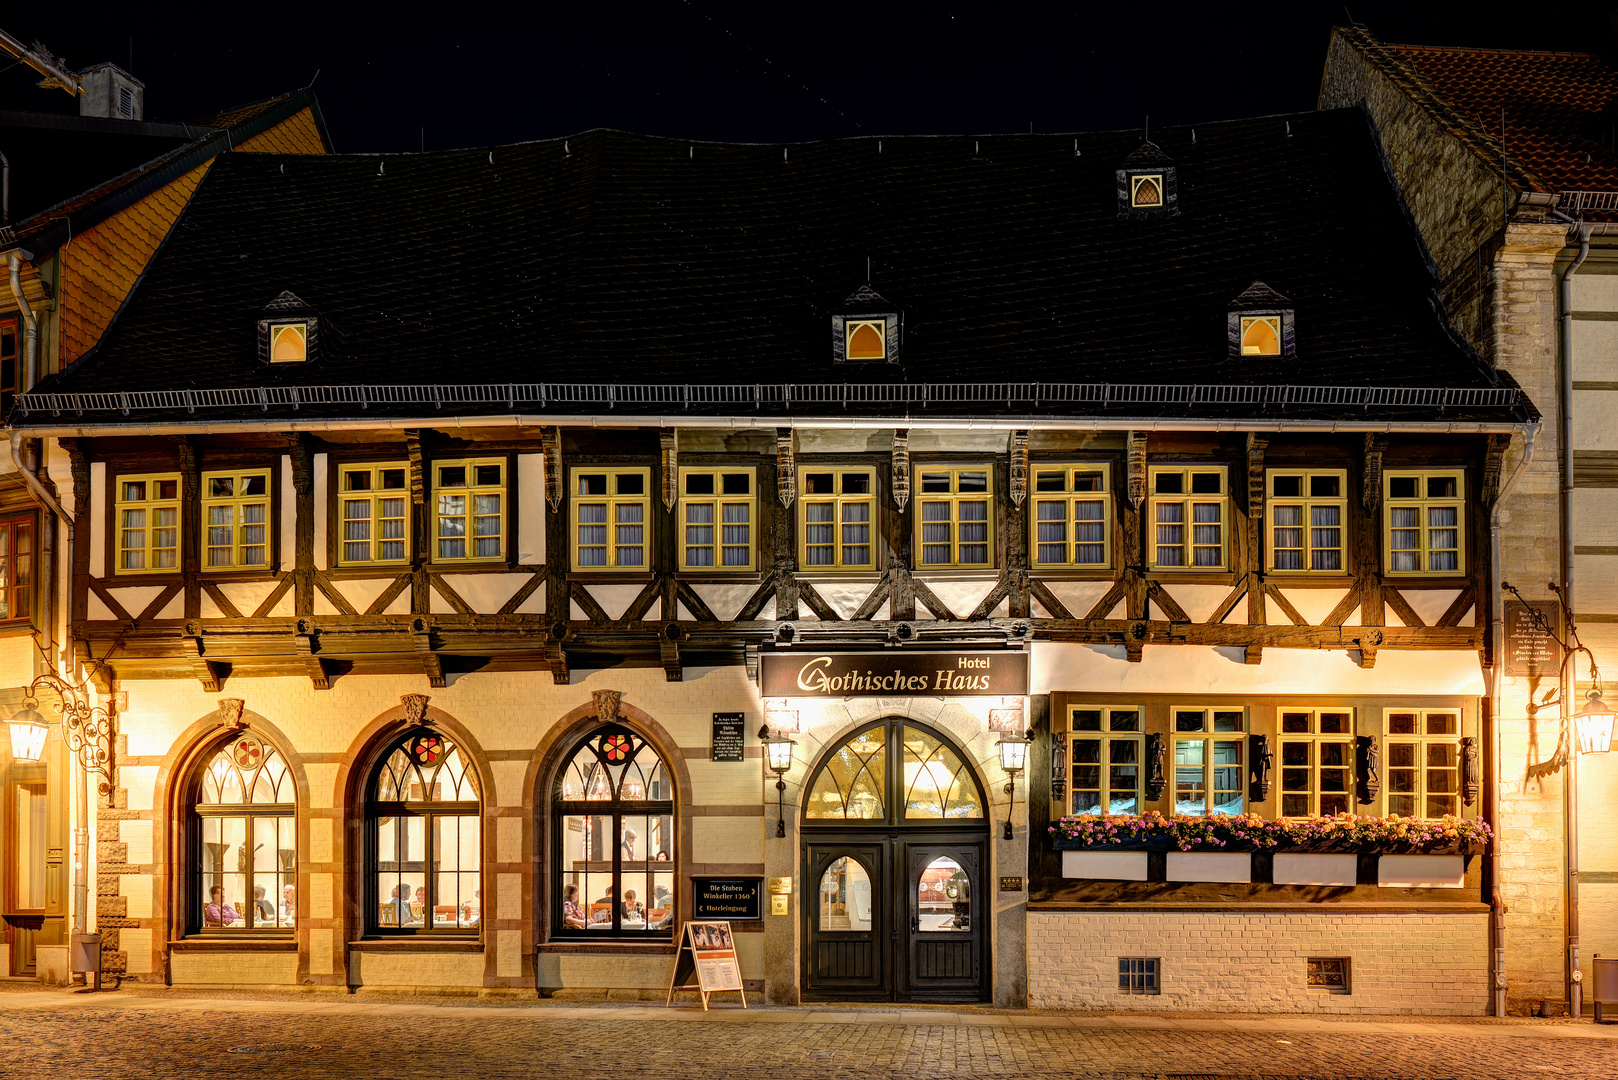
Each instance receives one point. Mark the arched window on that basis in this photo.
(426, 861)
(894, 771)
(613, 819)
(246, 854)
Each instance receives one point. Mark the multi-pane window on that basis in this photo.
(1072, 516)
(17, 567)
(469, 522)
(425, 838)
(1317, 762)
(1308, 514)
(611, 518)
(8, 364)
(1137, 975)
(247, 869)
(952, 517)
(1189, 508)
(1208, 775)
(148, 512)
(374, 506)
(1424, 534)
(837, 509)
(717, 512)
(1106, 755)
(1423, 763)
(613, 808)
(236, 508)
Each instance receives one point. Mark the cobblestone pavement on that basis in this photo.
(150, 1034)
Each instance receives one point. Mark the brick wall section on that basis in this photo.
(1255, 962)
(1453, 194)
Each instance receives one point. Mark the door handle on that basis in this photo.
(914, 928)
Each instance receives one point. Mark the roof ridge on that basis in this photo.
(1496, 52)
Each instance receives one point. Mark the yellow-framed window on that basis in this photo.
(1426, 512)
(1106, 755)
(469, 510)
(148, 514)
(236, 520)
(836, 518)
(373, 505)
(1210, 776)
(612, 512)
(954, 516)
(1072, 516)
(1308, 520)
(1190, 511)
(718, 514)
(1146, 190)
(1423, 762)
(1317, 762)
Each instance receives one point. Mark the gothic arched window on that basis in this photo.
(425, 833)
(246, 855)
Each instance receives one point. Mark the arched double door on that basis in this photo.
(895, 846)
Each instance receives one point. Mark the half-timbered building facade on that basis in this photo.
(434, 517)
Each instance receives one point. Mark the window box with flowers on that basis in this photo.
(1343, 833)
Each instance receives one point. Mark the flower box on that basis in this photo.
(1345, 834)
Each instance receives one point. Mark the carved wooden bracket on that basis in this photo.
(306, 641)
(550, 441)
(209, 673)
(1371, 494)
(1256, 445)
(421, 639)
(901, 468)
(668, 442)
(1136, 463)
(1471, 771)
(1368, 763)
(418, 480)
(230, 713)
(78, 463)
(1019, 467)
(415, 707)
(1261, 760)
(556, 660)
(1493, 459)
(1156, 772)
(786, 472)
(606, 704)
(668, 643)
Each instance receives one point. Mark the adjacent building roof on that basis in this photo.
(610, 271)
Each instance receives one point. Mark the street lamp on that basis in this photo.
(778, 754)
(1013, 759)
(28, 731)
(1594, 722)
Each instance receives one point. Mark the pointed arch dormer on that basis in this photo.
(866, 329)
(288, 331)
(1260, 322)
(1148, 186)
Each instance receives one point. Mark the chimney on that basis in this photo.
(111, 91)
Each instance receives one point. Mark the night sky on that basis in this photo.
(467, 74)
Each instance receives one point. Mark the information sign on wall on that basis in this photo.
(729, 736)
(726, 898)
(934, 674)
(1530, 651)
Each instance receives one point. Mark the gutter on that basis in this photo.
(765, 423)
(1497, 905)
(31, 347)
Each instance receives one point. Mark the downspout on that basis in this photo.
(1497, 905)
(30, 325)
(1568, 690)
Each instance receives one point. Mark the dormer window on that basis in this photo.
(1260, 323)
(1147, 186)
(288, 331)
(289, 343)
(866, 330)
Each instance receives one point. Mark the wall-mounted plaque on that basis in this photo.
(726, 898)
(888, 674)
(1011, 884)
(729, 735)
(1530, 651)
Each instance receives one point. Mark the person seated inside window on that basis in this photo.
(633, 909)
(662, 856)
(263, 910)
(472, 910)
(630, 837)
(601, 910)
(572, 913)
(400, 905)
(217, 912)
(289, 904)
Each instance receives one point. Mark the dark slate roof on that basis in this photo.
(622, 271)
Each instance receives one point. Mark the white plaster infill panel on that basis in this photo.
(96, 608)
(845, 597)
(98, 521)
(399, 606)
(1594, 292)
(289, 515)
(1199, 601)
(136, 835)
(531, 509)
(1595, 516)
(174, 609)
(320, 480)
(615, 599)
(134, 599)
(361, 592)
(1293, 868)
(1420, 871)
(961, 597)
(17, 660)
(725, 601)
(136, 889)
(1598, 582)
(1592, 420)
(1595, 348)
(486, 594)
(1223, 866)
(1078, 596)
(137, 946)
(1313, 604)
(1430, 604)
(1105, 865)
(246, 596)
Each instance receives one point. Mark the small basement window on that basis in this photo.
(1329, 974)
(289, 343)
(1137, 975)
(1146, 190)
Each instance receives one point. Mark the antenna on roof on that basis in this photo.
(314, 77)
(491, 157)
(381, 168)
(867, 269)
(1148, 127)
(424, 140)
(565, 148)
(1289, 129)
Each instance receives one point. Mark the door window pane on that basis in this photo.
(943, 898)
(845, 896)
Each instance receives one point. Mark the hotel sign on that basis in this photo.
(894, 674)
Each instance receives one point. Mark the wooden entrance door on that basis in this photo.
(942, 893)
(849, 943)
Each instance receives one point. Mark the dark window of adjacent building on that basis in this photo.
(17, 568)
(1137, 975)
(425, 839)
(1328, 973)
(9, 352)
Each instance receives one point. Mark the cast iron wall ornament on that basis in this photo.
(1263, 761)
(88, 729)
(1369, 761)
(1156, 754)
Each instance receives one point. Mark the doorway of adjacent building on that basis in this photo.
(895, 842)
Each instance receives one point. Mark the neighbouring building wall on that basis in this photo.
(1257, 961)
